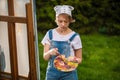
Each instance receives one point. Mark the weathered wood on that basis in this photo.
(13, 19)
(12, 42)
(6, 75)
(31, 45)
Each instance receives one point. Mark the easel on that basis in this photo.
(11, 20)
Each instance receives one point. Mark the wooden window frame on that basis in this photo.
(11, 20)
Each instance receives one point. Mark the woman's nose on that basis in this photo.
(63, 23)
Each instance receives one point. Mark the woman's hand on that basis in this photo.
(50, 53)
(53, 51)
(74, 59)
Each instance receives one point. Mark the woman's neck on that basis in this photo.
(63, 31)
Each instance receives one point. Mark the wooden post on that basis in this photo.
(12, 42)
(31, 43)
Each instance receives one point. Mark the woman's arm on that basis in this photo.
(49, 52)
(46, 54)
(78, 55)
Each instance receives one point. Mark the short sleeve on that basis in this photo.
(46, 39)
(76, 42)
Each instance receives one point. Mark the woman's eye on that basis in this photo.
(60, 21)
(65, 21)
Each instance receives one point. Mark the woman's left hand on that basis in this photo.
(73, 59)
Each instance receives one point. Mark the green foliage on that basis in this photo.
(97, 15)
(100, 58)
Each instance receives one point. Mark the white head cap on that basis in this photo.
(59, 9)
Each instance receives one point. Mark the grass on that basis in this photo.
(100, 58)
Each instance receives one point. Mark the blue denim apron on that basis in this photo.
(63, 48)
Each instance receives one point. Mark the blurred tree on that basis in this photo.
(90, 15)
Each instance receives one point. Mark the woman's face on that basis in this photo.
(63, 21)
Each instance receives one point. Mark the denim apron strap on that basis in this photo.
(50, 34)
(73, 36)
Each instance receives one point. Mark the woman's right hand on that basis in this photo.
(53, 51)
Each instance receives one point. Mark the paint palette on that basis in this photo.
(62, 64)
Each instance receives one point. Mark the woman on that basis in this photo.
(62, 40)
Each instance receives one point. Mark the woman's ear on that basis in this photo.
(73, 20)
(55, 20)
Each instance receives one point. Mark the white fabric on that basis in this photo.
(63, 9)
(75, 43)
